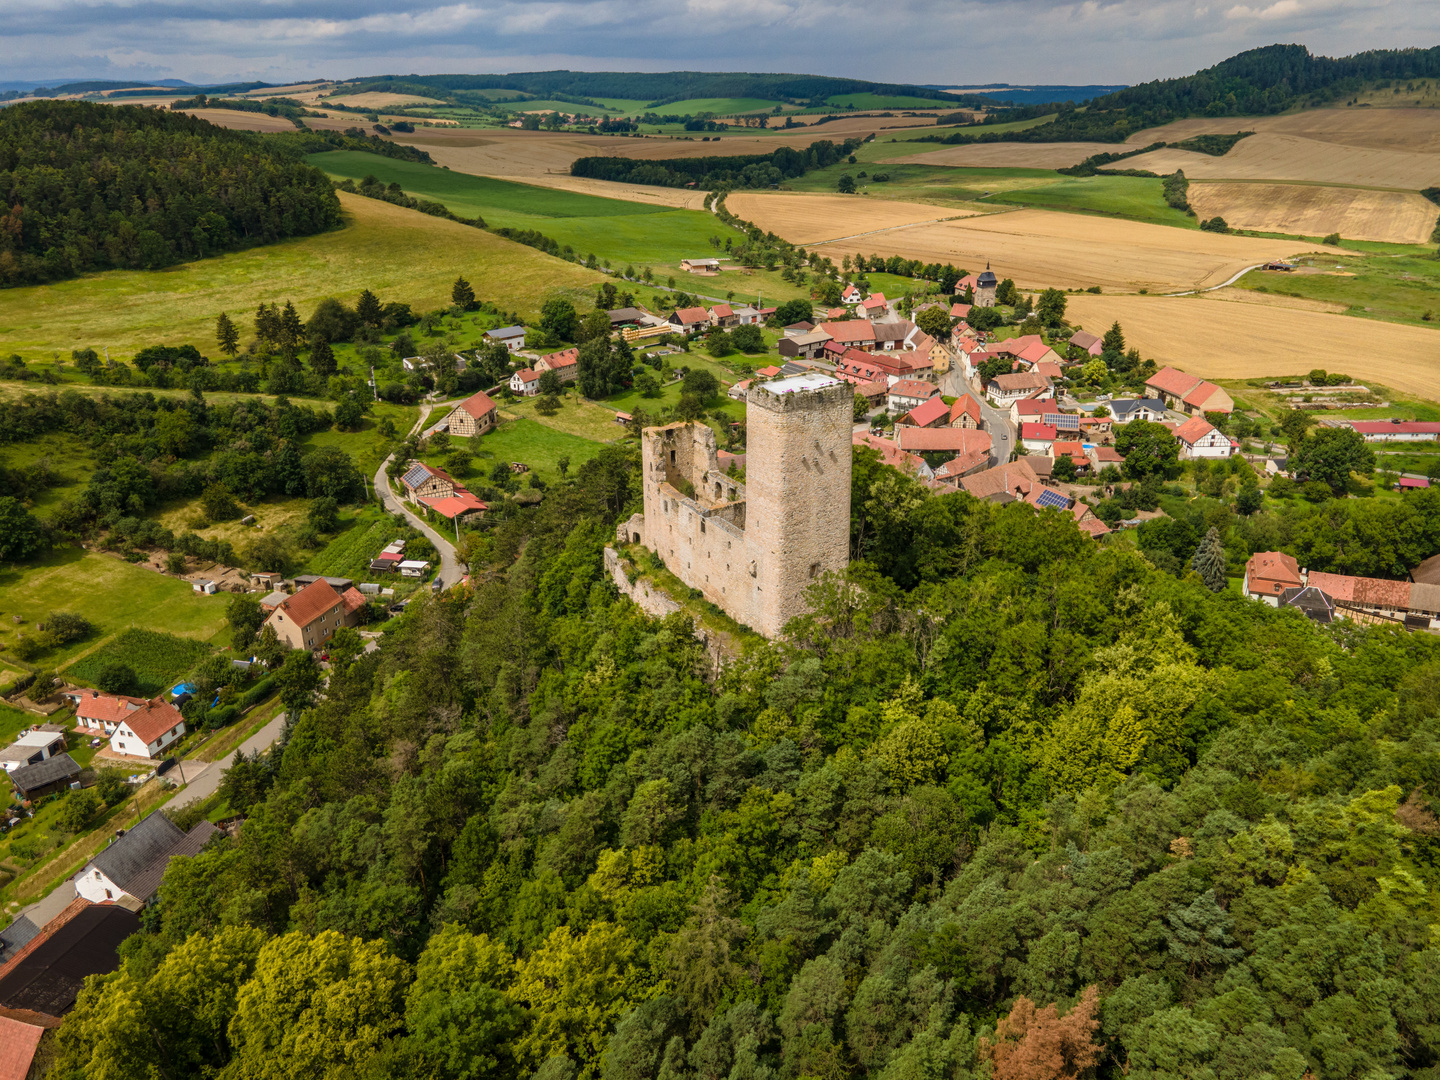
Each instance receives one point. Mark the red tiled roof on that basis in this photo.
(93, 705)
(1040, 432)
(18, 1043)
(769, 372)
(1033, 406)
(1074, 448)
(691, 315)
(1022, 380)
(462, 502)
(1193, 430)
(1049, 369)
(919, 440)
(889, 452)
(353, 599)
(477, 405)
(562, 359)
(850, 331)
(1173, 381)
(914, 388)
(1201, 394)
(1017, 475)
(959, 311)
(1373, 592)
(1272, 572)
(155, 719)
(1412, 482)
(309, 603)
(389, 556)
(1094, 526)
(965, 405)
(1108, 454)
(722, 311)
(874, 388)
(527, 375)
(930, 412)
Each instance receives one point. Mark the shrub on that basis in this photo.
(1333, 239)
(68, 627)
(117, 678)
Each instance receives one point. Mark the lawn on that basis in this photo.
(367, 446)
(593, 420)
(111, 593)
(1392, 288)
(157, 658)
(622, 233)
(1137, 198)
(531, 442)
(400, 254)
(70, 460)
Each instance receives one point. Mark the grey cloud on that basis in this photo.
(903, 41)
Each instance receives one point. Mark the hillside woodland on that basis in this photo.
(1009, 804)
(87, 187)
(739, 170)
(1258, 82)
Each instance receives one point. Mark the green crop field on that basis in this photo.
(1392, 288)
(111, 593)
(157, 658)
(718, 106)
(1137, 198)
(399, 254)
(923, 183)
(887, 101)
(360, 539)
(621, 232)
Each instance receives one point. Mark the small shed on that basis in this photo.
(414, 568)
(209, 588)
(46, 777)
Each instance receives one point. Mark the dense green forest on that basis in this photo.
(92, 187)
(661, 88)
(743, 170)
(1254, 83)
(1008, 804)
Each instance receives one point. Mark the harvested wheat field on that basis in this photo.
(508, 151)
(808, 219)
(241, 121)
(1018, 155)
(1411, 130)
(1038, 248)
(1396, 217)
(1272, 156)
(1218, 339)
(676, 198)
(1275, 299)
(377, 99)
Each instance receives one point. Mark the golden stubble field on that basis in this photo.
(1398, 217)
(1224, 339)
(399, 254)
(1037, 248)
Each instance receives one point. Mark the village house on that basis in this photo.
(97, 713)
(1124, 410)
(745, 315)
(148, 730)
(420, 479)
(1189, 393)
(851, 295)
(473, 416)
(31, 748)
(512, 337)
(803, 346)
(310, 618)
(1003, 389)
(855, 366)
(1199, 438)
(932, 413)
(134, 863)
(965, 413)
(1010, 482)
(960, 311)
(1101, 456)
(907, 394)
(1270, 573)
(1074, 450)
(1038, 409)
(1276, 579)
(1086, 342)
(1028, 351)
(690, 319)
(891, 454)
(565, 364)
(971, 449)
(874, 306)
(852, 333)
(525, 382)
(723, 316)
(627, 316)
(903, 365)
(1397, 430)
(876, 394)
(890, 336)
(700, 266)
(798, 329)
(1038, 438)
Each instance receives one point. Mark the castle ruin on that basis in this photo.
(754, 548)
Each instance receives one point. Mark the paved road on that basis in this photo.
(200, 785)
(451, 569)
(997, 421)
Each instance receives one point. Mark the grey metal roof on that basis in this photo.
(43, 773)
(128, 857)
(416, 475)
(506, 332)
(146, 883)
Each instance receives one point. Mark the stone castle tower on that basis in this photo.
(754, 548)
(985, 286)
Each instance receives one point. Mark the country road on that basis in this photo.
(204, 781)
(451, 569)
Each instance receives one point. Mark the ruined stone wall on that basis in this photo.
(798, 494)
(651, 601)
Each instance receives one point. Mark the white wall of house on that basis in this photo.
(126, 741)
(1213, 445)
(94, 886)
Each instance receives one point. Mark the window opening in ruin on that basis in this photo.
(814, 569)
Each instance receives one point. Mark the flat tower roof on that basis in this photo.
(810, 380)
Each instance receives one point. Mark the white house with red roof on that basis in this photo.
(100, 714)
(526, 382)
(149, 729)
(1397, 430)
(1038, 438)
(907, 394)
(690, 318)
(1199, 438)
(565, 364)
(851, 295)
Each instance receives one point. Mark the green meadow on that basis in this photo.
(1138, 198)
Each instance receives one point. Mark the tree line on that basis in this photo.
(744, 170)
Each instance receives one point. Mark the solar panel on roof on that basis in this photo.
(1063, 421)
(1052, 500)
(416, 476)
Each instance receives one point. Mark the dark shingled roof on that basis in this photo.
(15, 936)
(43, 773)
(130, 856)
(146, 883)
(47, 974)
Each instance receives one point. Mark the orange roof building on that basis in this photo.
(147, 731)
(310, 618)
(473, 416)
(1270, 573)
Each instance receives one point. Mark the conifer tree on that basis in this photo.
(292, 330)
(368, 308)
(462, 295)
(226, 335)
(1209, 561)
(322, 358)
(1114, 339)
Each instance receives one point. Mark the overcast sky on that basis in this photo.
(931, 41)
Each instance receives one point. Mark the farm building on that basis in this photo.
(1199, 439)
(31, 748)
(1189, 393)
(1397, 430)
(700, 266)
(512, 337)
(45, 777)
